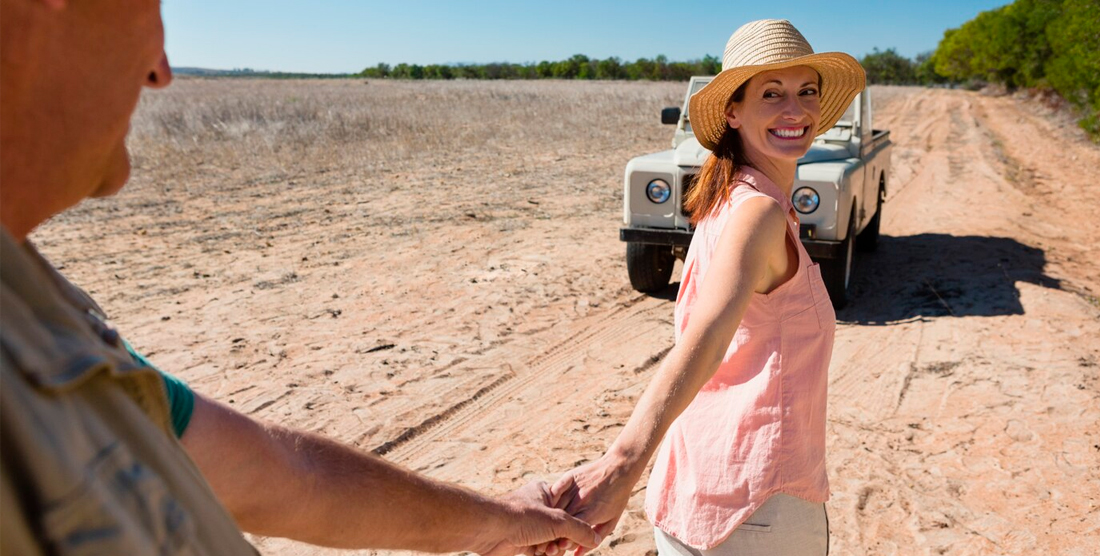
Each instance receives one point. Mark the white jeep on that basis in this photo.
(838, 192)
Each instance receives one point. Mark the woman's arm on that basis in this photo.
(598, 492)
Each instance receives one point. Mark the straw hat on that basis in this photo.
(766, 45)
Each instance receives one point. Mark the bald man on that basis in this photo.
(102, 453)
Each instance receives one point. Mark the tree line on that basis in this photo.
(577, 67)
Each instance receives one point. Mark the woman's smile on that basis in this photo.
(789, 133)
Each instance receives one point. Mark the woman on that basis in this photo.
(742, 394)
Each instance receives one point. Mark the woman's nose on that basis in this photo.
(794, 108)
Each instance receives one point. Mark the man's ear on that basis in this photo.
(731, 116)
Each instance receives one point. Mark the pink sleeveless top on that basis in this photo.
(758, 426)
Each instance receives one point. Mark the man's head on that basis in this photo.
(71, 73)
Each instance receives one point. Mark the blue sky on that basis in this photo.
(348, 35)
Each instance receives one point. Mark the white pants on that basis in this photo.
(784, 526)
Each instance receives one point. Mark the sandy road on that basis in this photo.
(963, 406)
(494, 343)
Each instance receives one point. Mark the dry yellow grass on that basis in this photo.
(318, 124)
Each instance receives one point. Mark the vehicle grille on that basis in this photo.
(687, 184)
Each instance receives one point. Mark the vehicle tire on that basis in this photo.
(867, 240)
(836, 273)
(649, 266)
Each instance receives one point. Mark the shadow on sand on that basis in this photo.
(667, 294)
(936, 275)
(942, 275)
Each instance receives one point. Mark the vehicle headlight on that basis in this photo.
(658, 191)
(805, 200)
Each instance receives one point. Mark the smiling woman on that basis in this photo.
(742, 394)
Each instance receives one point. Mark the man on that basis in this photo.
(90, 459)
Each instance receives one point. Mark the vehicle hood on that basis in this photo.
(690, 153)
(825, 152)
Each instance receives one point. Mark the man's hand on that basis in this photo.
(534, 521)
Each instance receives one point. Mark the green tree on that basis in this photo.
(888, 67)
(545, 69)
(924, 70)
(400, 71)
(952, 57)
(585, 69)
(1074, 68)
(611, 68)
(710, 65)
(1035, 17)
(377, 72)
(660, 68)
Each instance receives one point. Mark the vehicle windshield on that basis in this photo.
(842, 131)
(696, 86)
(849, 115)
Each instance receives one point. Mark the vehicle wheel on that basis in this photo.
(649, 266)
(836, 273)
(868, 238)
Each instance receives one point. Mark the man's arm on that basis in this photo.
(285, 483)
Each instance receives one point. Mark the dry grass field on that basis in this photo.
(308, 126)
(431, 270)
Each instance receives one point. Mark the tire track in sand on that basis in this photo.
(544, 373)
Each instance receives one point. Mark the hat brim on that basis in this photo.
(842, 78)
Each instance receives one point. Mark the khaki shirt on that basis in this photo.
(88, 460)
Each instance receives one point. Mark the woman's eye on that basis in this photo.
(810, 92)
(770, 94)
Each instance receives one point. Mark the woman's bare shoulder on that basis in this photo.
(758, 218)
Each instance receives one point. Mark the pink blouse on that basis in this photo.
(758, 426)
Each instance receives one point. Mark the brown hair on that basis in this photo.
(712, 184)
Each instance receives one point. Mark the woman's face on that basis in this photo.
(780, 113)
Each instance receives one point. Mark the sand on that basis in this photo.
(464, 309)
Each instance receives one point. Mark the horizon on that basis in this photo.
(279, 36)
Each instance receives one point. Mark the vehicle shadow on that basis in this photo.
(667, 294)
(942, 275)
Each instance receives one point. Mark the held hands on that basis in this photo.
(597, 493)
(532, 521)
(553, 520)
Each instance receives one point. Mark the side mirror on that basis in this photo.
(670, 115)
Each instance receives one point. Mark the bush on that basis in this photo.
(1044, 44)
(889, 68)
(1074, 70)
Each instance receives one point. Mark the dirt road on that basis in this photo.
(468, 315)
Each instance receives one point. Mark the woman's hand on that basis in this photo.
(596, 493)
(534, 521)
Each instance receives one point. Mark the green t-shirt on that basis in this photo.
(181, 400)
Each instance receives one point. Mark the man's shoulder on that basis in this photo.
(56, 339)
(92, 469)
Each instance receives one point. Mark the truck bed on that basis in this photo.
(878, 136)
